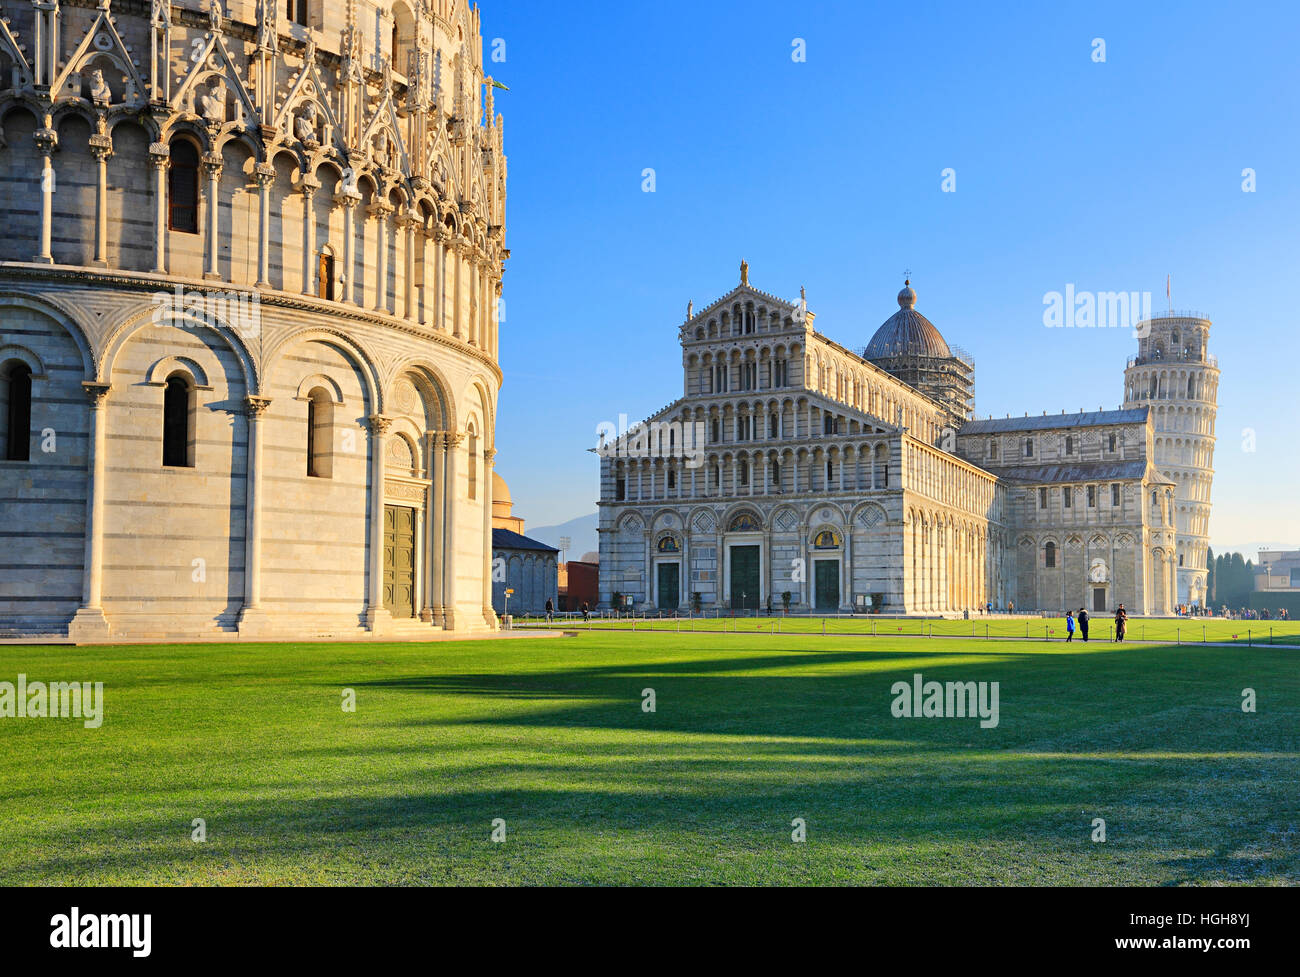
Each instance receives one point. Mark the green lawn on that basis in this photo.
(1154, 629)
(751, 731)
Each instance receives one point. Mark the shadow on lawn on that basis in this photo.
(1161, 699)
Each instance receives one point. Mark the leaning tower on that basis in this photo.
(1176, 377)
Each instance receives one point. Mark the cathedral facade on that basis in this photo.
(249, 286)
(794, 472)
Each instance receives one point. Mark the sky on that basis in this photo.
(829, 172)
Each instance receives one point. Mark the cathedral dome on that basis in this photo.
(907, 333)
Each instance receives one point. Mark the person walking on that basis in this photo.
(1069, 627)
(550, 610)
(1083, 623)
(586, 611)
(1121, 623)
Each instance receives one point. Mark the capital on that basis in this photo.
(256, 407)
(96, 392)
(379, 424)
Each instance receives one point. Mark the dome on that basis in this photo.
(907, 333)
(500, 491)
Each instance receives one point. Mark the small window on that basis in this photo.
(1069, 444)
(830, 473)
(297, 12)
(1029, 447)
(16, 393)
(1042, 498)
(1110, 443)
(320, 435)
(183, 188)
(1092, 496)
(1067, 496)
(715, 432)
(325, 277)
(828, 424)
(672, 479)
(744, 473)
(1049, 555)
(993, 450)
(771, 426)
(620, 489)
(178, 423)
(1114, 495)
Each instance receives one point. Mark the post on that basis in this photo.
(264, 173)
(159, 158)
(90, 622)
(101, 147)
(377, 616)
(251, 611)
(212, 165)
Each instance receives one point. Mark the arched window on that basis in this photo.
(178, 423)
(1069, 444)
(746, 522)
(325, 276)
(1049, 554)
(669, 545)
(403, 38)
(320, 435)
(16, 410)
(826, 540)
(183, 188)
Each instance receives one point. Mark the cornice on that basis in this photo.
(76, 277)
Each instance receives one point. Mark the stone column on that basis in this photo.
(101, 148)
(47, 141)
(264, 174)
(408, 225)
(212, 166)
(437, 451)
(348, 200)
(310, 265)
(378, 619)
(489, 614)
(90, 624)
(159, 158)
(252, 617)
(380, 212)
(440, 236)
(458, 262)
(451, 504)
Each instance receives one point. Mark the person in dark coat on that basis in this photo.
(1083, 623)
(1121, 623)
(550, 610)
(586, 611)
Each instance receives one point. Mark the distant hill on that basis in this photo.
(581, 530)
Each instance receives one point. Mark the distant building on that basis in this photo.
(1278, 571)
(794, 469)
(527, 566)
(579, 584)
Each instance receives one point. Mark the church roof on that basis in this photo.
(907, 333)
(506, 539)
(1052, 422)
(1103, 472)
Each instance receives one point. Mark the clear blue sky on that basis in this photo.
(1108, 176)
